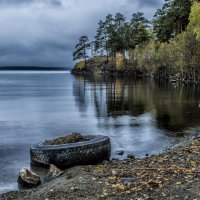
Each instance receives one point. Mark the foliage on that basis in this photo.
(117, 35)
(145, 55)
(80, 66)
(170, 49)
(101, 38)
(179, 58)
(81, 49)
(171, 19)
(195, 18)
(139, 29)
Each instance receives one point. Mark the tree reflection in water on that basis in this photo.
(172, 107)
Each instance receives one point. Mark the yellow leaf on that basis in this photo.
(112, 178)
(120, 187)
(136, 189)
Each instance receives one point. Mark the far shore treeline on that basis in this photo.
(168, 46)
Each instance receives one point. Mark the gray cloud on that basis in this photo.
(18, 2)
(44, 32)
(150, 3)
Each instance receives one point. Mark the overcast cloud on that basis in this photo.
(44, 32)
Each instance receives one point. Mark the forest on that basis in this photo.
(168, 46)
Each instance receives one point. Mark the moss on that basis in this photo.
(80, 65)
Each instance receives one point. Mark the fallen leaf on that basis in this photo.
(120, 187)
(136, 189)
(112, 178)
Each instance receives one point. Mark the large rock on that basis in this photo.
(28, 178)
(131, 156)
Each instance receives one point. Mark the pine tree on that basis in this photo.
(139, 33)
(103, 35)
(172, 19)
(81, 49)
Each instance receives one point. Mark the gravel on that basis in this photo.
(172, 175)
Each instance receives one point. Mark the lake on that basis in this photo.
(140, 116)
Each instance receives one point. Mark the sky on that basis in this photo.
(44, 32)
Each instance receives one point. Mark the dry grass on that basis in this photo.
(71, 138)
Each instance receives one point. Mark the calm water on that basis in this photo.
(139, 116)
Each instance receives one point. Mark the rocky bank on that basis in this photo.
(171, 175)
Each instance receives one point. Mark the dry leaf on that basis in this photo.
(120, 187)
(112, 178)
(136, 189)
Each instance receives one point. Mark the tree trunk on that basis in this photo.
(106, 52)
(85, 55)
(194, 74)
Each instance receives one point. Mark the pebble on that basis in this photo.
(130, 156)
(120, 152)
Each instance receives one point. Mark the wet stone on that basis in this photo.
(120, 152)
(27, 178)
(53, 173)
(130, 156)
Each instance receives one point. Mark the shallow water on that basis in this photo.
(140, 116)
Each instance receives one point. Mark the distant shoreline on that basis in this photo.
(33, 68)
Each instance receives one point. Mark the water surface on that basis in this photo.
(140, 116)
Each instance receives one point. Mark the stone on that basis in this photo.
(130, 156)
(104, 162)
(120, 152)
(27, 178)
(114, 159)
(54, 172)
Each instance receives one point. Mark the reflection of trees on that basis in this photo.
(127, 97)
(175, 107)
(79, 91)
